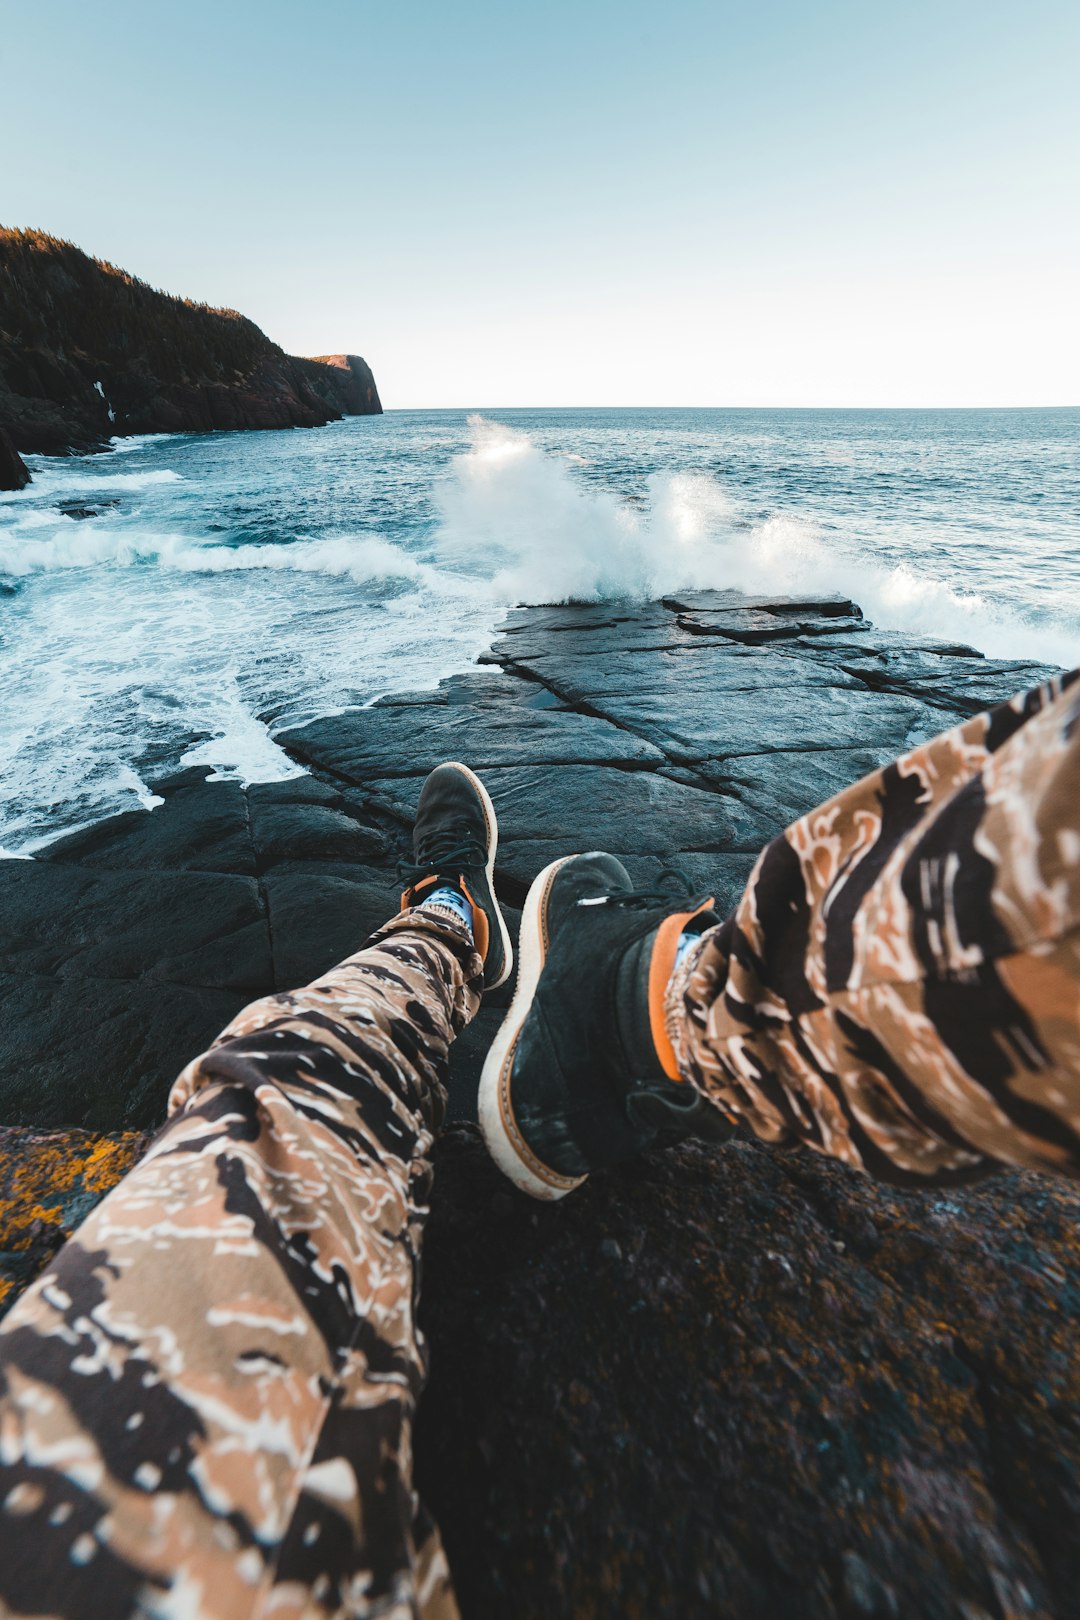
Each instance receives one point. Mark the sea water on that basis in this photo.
(228, 586)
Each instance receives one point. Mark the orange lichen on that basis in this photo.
(49, 1182)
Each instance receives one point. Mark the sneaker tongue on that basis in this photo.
(447, 857)
(586, 887)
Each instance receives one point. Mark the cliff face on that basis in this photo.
(13, 473)
(87, 351)
(354, 378)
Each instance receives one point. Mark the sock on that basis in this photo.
(685, 942)
(452, 900)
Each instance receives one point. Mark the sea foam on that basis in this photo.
(546, 537)
(50, 477)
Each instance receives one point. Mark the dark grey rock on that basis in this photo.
(100, 1053)
(364, 745)
(587, 632)
(194, 928)
(490, 688)
(588, 617)
(754, 628)
(14, 473)
(829, 605)
(577, 807)
(782, 786)
(701, 671)
(202, 827)
(797, 720)
(305, 831)
(80, 513)
(481, 688)
(696, 704)
(952, 680)
(316, 919)
(467, 1059)
(294, 790)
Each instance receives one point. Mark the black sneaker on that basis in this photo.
(582, 1072)
(455, 837)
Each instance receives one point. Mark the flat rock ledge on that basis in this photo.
(720, 1381)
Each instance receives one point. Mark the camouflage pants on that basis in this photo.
(899, 986)
(206, 1401)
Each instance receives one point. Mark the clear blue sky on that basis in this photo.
(599, 202)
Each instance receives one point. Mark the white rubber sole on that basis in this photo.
(492, 848)
(504, 1141)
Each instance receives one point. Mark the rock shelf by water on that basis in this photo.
(721, 1381)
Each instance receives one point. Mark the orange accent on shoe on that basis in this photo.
(408, 899)
(481, 927)
(661, 968)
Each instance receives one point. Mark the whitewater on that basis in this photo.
(183, 600)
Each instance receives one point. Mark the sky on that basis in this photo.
(603, 202)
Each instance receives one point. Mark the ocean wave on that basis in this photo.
(54, 480)
(155, 634)
(547, 537)
(137, 441)
(90, 545)
(541, 535)
(516, 523)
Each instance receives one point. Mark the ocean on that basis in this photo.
(184, 599)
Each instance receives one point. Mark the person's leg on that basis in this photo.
(205, 1403)
(899, 986)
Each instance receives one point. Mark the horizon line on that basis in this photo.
(387, 409)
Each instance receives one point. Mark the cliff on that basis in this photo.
(355, 381)
(13, 471)
(87, 351)
(720, 1383)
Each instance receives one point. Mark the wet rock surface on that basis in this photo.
(722, 1381)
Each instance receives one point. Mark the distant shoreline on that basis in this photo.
(88, 352)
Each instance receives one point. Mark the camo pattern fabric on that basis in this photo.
(206, 1402)
(899, 985)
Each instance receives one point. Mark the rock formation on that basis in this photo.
(357, 384)
(87, 351)
(13, 470)
(719, 1382)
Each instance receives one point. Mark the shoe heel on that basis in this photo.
(504, 1141)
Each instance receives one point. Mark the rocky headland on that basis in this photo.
(87, 352)
(721, 1381)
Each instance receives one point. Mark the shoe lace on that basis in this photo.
(449, 850)
(672, 884)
